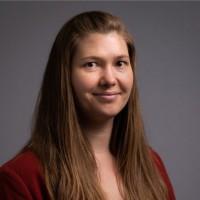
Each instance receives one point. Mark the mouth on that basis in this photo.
(106, 93)
(107, 96)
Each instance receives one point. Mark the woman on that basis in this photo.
(88, 138)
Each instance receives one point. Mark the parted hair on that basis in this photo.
(68, 162)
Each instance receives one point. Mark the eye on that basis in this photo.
(90, 64)
(122, 63)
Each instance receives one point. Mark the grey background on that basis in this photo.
(167, 36)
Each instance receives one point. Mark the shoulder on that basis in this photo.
(25, 165)
(157, 160)
(26, 160)
(163, 172)
(22, 177)
(159, 164)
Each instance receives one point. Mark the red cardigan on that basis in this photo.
(21, 178)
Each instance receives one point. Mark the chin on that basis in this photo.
(101, 113)
(108, 113)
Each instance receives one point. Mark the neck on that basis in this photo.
(99, 135)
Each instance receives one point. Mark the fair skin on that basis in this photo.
(102, 80)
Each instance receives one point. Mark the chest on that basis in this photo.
(109, 185)
(108, 180)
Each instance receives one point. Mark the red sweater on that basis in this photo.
(21, 178)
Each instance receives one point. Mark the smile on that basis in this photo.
(107, 96)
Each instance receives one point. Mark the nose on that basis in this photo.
(108, 77)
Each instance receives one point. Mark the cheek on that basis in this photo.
(127, 81)
(82, 83)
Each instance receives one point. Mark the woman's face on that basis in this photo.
(102, 76)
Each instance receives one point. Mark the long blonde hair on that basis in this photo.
(70, 169)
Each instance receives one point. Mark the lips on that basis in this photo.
(106, 93)
(107, 96)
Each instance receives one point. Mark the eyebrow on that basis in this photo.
(100, 58)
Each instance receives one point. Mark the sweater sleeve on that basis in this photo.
(163, 172)
(12, 186)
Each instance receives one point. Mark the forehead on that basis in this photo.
(101, 44)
